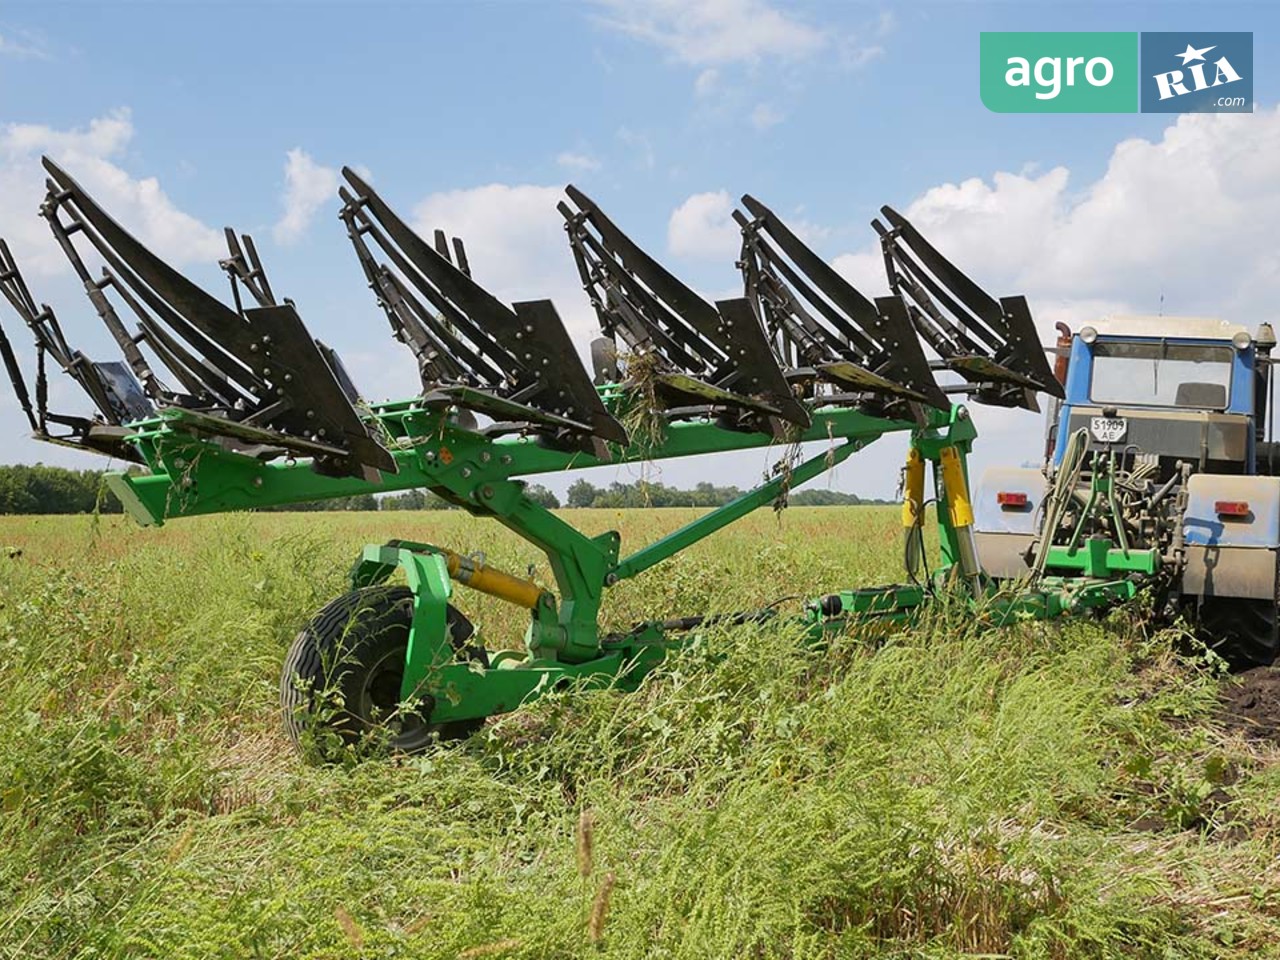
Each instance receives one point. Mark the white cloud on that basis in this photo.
(808, 231)
(105, 136)
(582, 162)
(987, 228)
(1189, 216)
(640, 145)
(858, 49)
(766, 115)
(307, 187)
(703, 227)
(1185, 217)
(856, 55)
(90, 154)
(706, 82)
(516, 246)
(23, 45)
(711, 32)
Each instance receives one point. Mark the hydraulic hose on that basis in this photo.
(1061, 489)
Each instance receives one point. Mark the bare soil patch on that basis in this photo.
(1251, 703)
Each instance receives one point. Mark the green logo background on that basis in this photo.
(1119, 95)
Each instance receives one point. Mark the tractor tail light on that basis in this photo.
(1231, 508)
(1011, 501)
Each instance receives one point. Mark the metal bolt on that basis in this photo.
(257, 481)
(505, 459)
(485, 491)
(466, 472)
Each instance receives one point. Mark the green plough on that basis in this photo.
(227, 408)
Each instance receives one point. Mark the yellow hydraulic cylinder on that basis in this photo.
(957, 489)
(472, 572)
(912, 509)
(960, 508)
(912, 488)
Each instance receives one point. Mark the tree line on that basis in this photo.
(41, 489)
(45, 489)
(583, 493)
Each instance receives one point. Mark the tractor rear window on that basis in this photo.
(1161, 374)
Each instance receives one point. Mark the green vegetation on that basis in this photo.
(1050, 790)
(617, 495)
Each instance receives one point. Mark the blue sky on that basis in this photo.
(472, 116)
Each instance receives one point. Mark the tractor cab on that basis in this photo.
(1178, 389)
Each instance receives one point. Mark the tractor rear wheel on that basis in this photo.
(1245, 632)
(342, 675)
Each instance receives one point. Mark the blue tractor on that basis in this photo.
(1159, 469)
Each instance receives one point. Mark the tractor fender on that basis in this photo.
(1004, 531)
(1257, 526)
(1231, 552)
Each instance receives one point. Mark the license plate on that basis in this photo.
(1108, 429)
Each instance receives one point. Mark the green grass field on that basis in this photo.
(1048, 790)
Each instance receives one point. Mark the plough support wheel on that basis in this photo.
(342, 675)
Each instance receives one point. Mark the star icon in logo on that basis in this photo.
(1191, 53)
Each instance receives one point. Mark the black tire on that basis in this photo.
(1244, 632)
(342, 676)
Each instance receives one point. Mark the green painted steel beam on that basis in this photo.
(1099, 557)
(462, 691)
(192, 476)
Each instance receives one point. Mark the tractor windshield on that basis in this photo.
(1161, 374)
